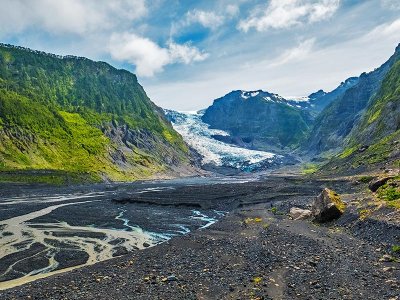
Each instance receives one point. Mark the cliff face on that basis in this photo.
(333, 125)
(375, 139)
(382, 115)
(74, 115)
(259, 119)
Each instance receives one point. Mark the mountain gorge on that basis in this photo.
(70, 118)
(76, 118)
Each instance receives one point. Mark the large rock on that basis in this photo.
(299, 214)
(376, 183)
(327, 206)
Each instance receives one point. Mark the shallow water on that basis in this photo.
(53, 232)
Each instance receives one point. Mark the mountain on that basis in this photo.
(375, 139)
(317, 101)
(320, 99)
(70, 115)
(259, 120)
(333, 125)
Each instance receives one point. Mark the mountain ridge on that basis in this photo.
(81, 99)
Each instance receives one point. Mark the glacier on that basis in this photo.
(216, 153)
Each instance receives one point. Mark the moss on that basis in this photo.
(309, 168)
(257, 280)
(47, 177)
(349, 151)
(364, 213)
(252, 220)
(374, 116)
(396, 248)
(51, 112)
(390, 192)
(337, 200)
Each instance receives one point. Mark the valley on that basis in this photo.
(103, 194)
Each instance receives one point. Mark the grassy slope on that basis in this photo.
(52, 110)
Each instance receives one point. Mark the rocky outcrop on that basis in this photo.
(299, 214)
(327, 206)
(376, 183)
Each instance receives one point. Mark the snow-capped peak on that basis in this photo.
(249, 94)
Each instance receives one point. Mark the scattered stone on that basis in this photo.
(386, 258)
(299, 214)
(172, 278)
(327, 206)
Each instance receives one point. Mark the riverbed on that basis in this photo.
(47, 230)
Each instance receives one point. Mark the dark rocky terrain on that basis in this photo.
(255, 252)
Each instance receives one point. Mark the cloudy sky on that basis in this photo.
(188, 52)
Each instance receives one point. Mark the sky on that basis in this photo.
(186, 53)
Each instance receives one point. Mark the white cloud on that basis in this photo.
(68, 16)
(391, 29)
(299, 71)
(148, 57)
(281, 14)
(301, 51)
(185, 53)
(207, 19)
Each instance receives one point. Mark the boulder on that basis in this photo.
(327, 206)
(376, 183)
(299, 214)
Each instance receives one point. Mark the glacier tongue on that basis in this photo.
(199, 136)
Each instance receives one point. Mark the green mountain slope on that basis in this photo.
(382, 117)
(80, 117)
(375, 140)
(334, 124)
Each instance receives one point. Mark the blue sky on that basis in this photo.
(187, 53)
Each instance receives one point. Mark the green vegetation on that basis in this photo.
(390, 192)
(396, 248)
(381, 117)
(348, 151)
(55, 112)
(309, 168)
